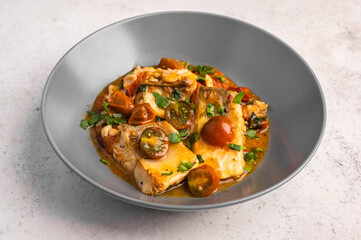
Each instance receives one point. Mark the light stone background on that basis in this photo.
(40, 198)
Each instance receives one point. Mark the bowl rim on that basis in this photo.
(169, 207)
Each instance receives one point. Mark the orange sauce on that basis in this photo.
(182, 189)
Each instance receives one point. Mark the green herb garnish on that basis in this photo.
(210, 110)
(200, 159)
(167, 173)
(200, 79)
(174, 138)
(190, 103)
(184, 132)
(105, 105)
(142, 88)
(184, 166)
(250, 156)
(247, 168)
(160, 100)
(185, 63)
(220, 110)
(259, 149)
(220, 77)
(104, 161)
(204, 70)
(175, 95)
(194, 138)
(158, 119)
(84, 124)
(236, 146)
(251, 134)
(239, 97)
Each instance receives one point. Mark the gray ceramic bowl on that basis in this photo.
(247, 54)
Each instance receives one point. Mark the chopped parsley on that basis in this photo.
(247, 168)
(239, 97)
(200, 159)
(84, 124)
(142, 88)
(104, 161)
(184, 166)
(190, 103)
(254, 122)
(167, 173)
(185, 63)
(220, 77)
(194, 138)
(251, 134)
(175, 95)
(210, 110)
(236, 146)
(161, 101)
(250, 156)
(220, 110)
(204, 70)
(184, 132)
(105, 105)
(174, 138)
(201, 79)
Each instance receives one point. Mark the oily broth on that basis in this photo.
(182, 189)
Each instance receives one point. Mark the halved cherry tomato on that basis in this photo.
(203, 181)
(218, 131)
(98, 104)
(247, 97)
(120, 102)
(142, 114)
(131, 90)
(239, 89)
(154, 143)
(171, 63)
(180, 115)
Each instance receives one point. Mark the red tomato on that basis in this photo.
(218, 131)
(203, 181)
(142, 114)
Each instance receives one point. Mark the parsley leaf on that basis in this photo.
(204, 70)
(104, 161)
(236, 146)
(184, 166)
(175, 95)
(142, 88)
(190, 103)
(160, 100)
(105, 105)
(239, 97)
(184, 132)
(250, 156)
(200, 79)
(200, 159)
(194, 138)
(247, 168)
(220, 77)
(210, 110)
(84, 124)
(220, 110)
(167, 173)
(174, 138)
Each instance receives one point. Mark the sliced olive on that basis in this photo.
(180, 115)
(203, 181)
(154, 143)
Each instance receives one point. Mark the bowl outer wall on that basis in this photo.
(247, 54)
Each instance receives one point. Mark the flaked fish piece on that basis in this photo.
(155, 176)
(228, 162)
(152, 176)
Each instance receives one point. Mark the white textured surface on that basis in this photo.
(42, 199)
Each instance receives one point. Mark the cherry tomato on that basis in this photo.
(247, 97)
(180, 115)
(142, 114)
(98, 104)
(218, 131)
(166, 63)
(120, 102)
(203, 181)
(154, 143)
(239, 89)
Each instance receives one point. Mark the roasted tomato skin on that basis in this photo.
(218, 131)
(180, 115)
(166, 63)
(142, 114)
(154, 143)
(119, 102)
(203, 181)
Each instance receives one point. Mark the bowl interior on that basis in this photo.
(247, 54)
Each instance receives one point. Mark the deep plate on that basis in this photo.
(248, 55)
